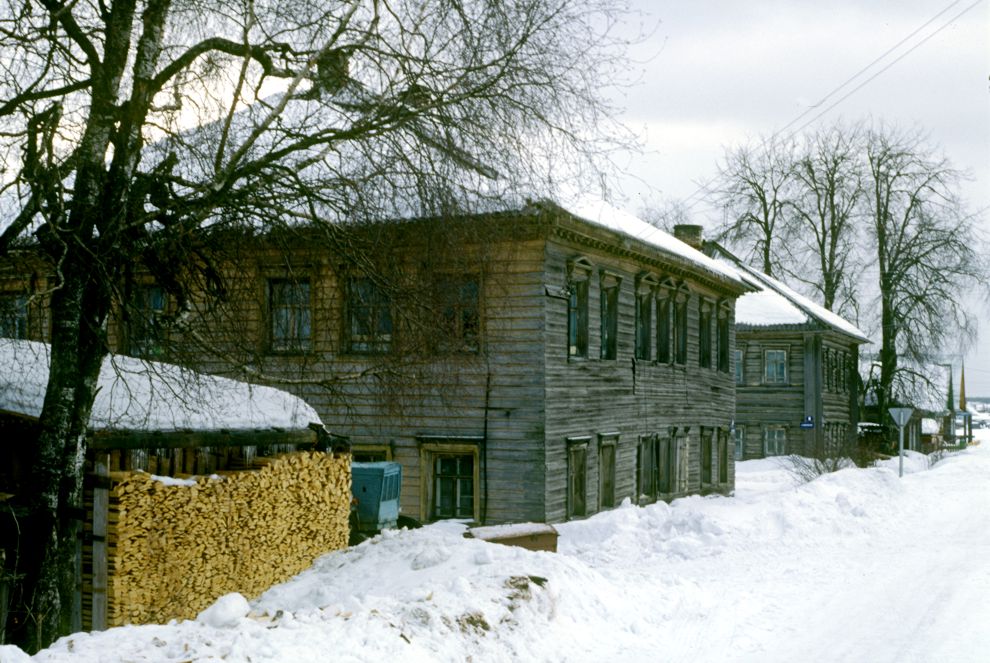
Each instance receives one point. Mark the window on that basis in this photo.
(145, 335)
(739, 439)
(13, 316)
(369, 317)
(722, 337)
(680, 327)
(775, 441)
(577, 484)
(668, 463)
(450, 478)
(738, 359)
(610, 315)
(459, 314)
(705, 334)
(606, 471)
(723, 456)
(453, 492)
(647, 466)
(663, 330)
(775, 366)
(577, 320)
(706, 456)
(644, 315)
(289, 315)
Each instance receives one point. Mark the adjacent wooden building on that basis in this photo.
(796, 371)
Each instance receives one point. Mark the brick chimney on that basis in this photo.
(690, 234)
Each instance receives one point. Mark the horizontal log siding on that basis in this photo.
(592, 397)
(759, 405)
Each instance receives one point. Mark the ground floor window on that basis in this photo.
(723, 456)
(739, 439)
(668, 466)
(706, 456)
(577, 477)
(606, 470)
(647, 466)
(450, 480)
(775, 441)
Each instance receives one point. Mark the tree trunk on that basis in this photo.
(77, 351)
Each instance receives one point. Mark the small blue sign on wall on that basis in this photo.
(809, 422)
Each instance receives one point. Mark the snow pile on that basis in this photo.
(147, 395)
(857, 565)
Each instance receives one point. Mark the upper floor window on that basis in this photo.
(577, 307)
(680, 327)
(145, 336)
(738, 359)
(13, 316)
(458, 297)
(644, 315)
(289, 314)
(663, 329)
(705, 335)
(369, 317)
(722, 337)
(775, 366)
(609, 298)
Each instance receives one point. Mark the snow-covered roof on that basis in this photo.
(602, 213)
(146, 395)
(930, 426)
(778, 304)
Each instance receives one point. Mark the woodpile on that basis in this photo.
(174, 549)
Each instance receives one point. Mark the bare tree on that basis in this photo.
(139, 130)
(822, 211)
(756, 182)
(927, 254)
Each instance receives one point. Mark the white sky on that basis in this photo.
(720, 72)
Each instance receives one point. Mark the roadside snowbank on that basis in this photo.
(857, 565)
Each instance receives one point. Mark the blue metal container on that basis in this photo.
(376, 487)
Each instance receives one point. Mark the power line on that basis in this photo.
(704, 187)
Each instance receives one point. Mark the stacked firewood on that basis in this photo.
(176, 546)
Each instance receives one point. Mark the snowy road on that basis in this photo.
(855, 566)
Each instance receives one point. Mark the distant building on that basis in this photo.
(797, 384)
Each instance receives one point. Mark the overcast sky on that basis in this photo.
(721, 72)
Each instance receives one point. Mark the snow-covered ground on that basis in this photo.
(855, 566)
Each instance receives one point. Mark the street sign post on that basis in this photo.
(901, 416)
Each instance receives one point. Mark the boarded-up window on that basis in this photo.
(663, 330)
(705, 335)
(680, 327)
(577, 483)
(647, 466)
(723, 456)
(644, 315)
(606, 471)
(13, 316)
(369, 317)
(706, 456)
(609, 299)
(722, 338)
(289, 313)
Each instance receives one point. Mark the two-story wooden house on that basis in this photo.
(796, 369)
(540, 364)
